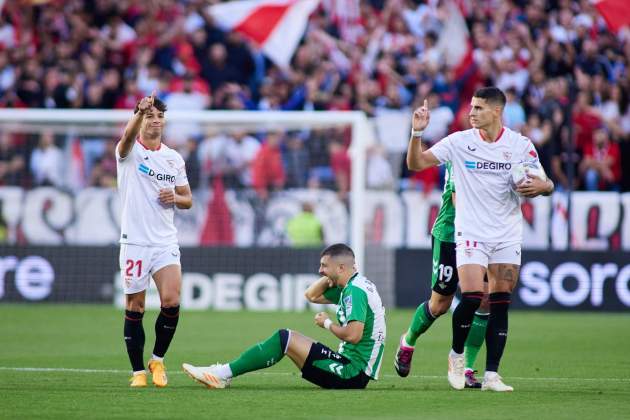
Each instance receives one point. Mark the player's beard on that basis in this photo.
(476, 124)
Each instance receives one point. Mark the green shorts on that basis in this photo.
(329, 369)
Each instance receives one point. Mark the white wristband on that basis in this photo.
(416, 133)
(327, 323)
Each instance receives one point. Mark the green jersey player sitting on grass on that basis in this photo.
(361, 329)
(444, 281)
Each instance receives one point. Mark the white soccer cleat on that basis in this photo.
(493, 382)
(206, 375)
(456, 370)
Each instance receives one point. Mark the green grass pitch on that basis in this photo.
(68, 361)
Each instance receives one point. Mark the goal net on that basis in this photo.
(253, 174)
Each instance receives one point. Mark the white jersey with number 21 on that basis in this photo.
(141, 175)
(488, 209)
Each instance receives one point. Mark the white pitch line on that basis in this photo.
(120, 371)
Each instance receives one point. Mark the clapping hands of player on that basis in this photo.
(167, 197)
(533, 187)
(421, 117)
(320, 318)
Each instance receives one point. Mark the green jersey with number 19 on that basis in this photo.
(444, 226)
(360, 301)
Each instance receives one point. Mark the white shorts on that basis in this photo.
(138, 263)
(484, 253)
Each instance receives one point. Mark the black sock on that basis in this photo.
(134, 339)
(165, 326)
(496, 334)
(462, 318)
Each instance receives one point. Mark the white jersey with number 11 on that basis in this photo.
(488, 209)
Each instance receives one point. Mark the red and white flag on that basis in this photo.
(276, 26)
(454, 42)
(456, 48)
(616, 13)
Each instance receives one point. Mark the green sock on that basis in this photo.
(475, 339)
(421, 322)
(259, 356)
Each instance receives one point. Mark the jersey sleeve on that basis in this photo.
(356, 304)
(443, 149)
(181, 179)
(530, 154)
(333, 294)
(126, 158)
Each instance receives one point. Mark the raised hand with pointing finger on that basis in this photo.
(146, 103)
(421, 117)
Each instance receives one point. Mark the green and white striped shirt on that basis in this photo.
(360, 301)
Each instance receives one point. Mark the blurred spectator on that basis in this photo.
(565, 160)
(539, 132)
(601, 166)
(304, 229)
(340, 164)
(295, 162)
(590, 62)
(47, 162)
(185, 100)
(130, 95)
(513, 113)
(441, 118)
(241, 152)
(585, 119)
(193, 166)
(267, 169)
(216, 69)
(212, 154)
(320, 172)
(379, 170)
(12, 164)
(103, 172)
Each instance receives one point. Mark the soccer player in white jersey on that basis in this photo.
(361, 329)
(488, 220)
(151, 182)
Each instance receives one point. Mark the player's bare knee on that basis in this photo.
(170, 301)
(135, 306)
(439, 307)
(439, 304)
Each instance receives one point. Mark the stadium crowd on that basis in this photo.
(566, 77)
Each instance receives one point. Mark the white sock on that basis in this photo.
(159, 359)
(138, 372)
(453, 354)
(405, 341)
(489, 374)
(224, 371)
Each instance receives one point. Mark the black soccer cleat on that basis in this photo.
(471, 381)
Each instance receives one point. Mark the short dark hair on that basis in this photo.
(491, 94)
(338, 250)
(157, 103)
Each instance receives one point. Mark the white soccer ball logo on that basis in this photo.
(524, 171)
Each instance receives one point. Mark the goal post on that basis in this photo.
(110, 123)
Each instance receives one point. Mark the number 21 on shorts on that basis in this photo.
(132, 267)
